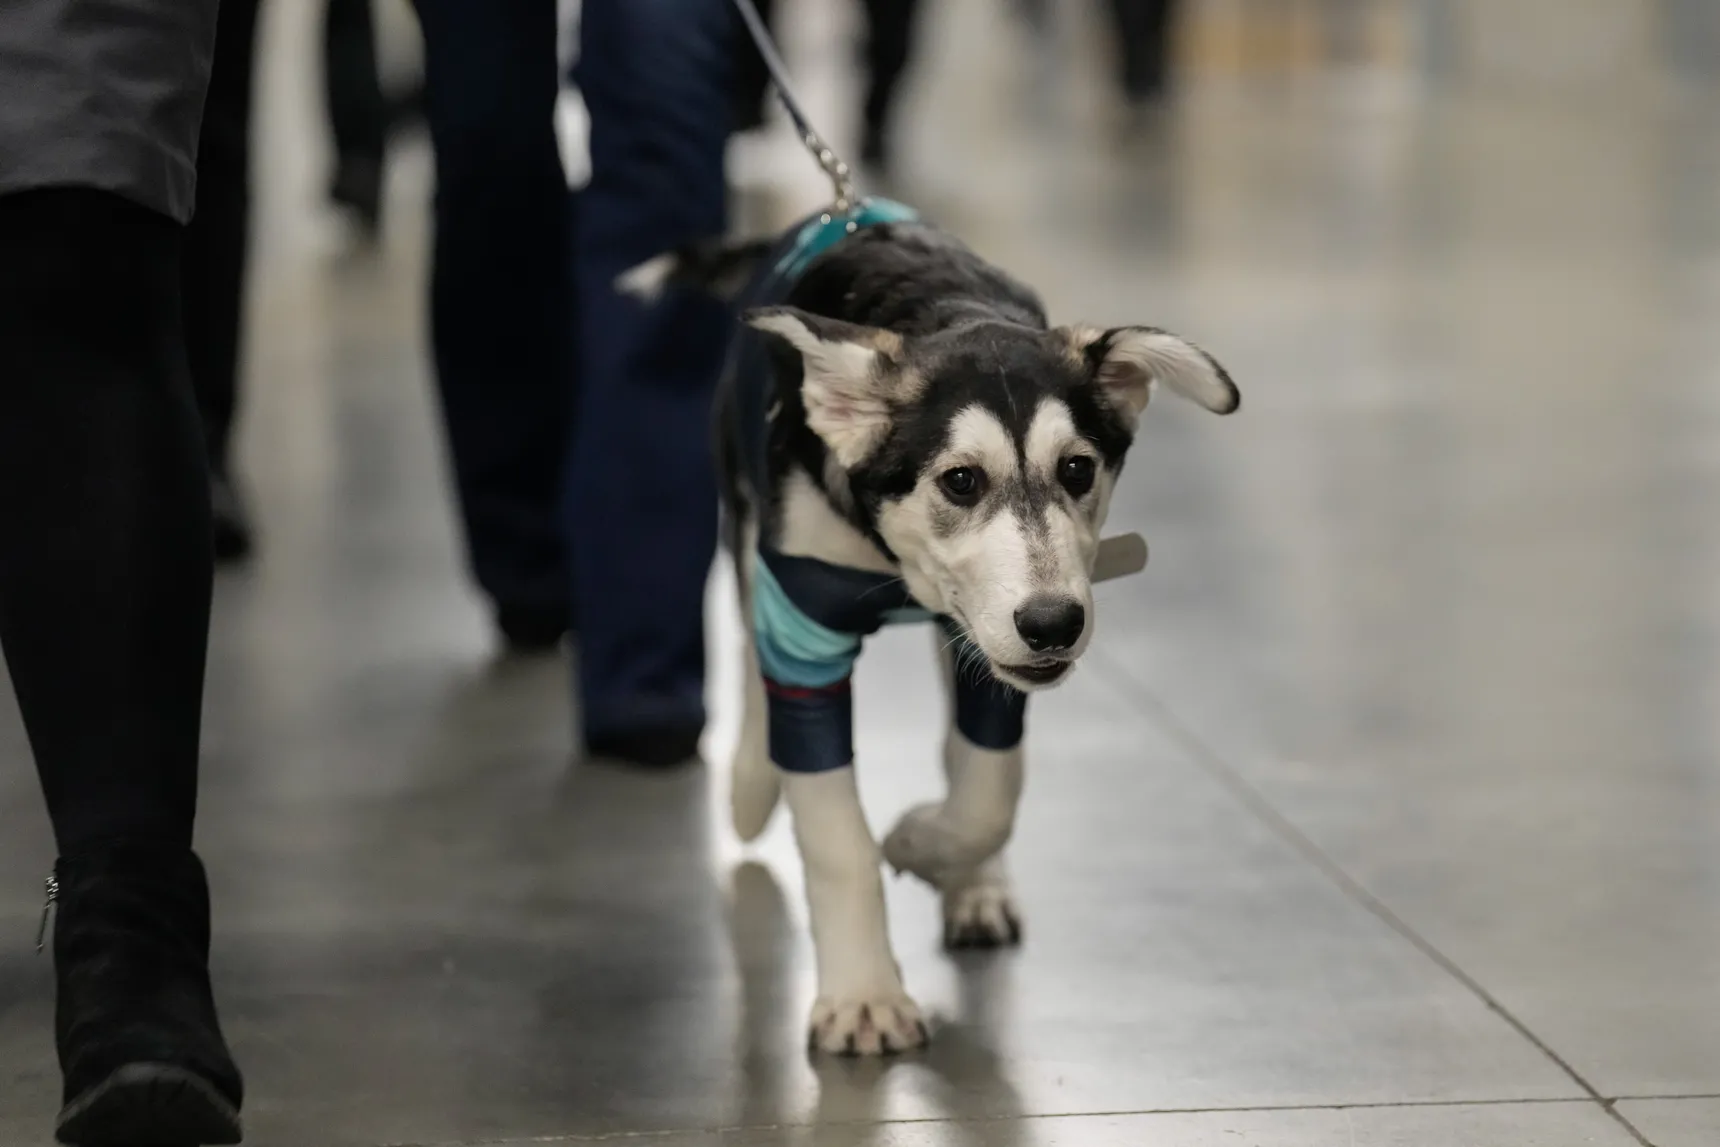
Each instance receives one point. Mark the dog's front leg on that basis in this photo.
(956, 844)
(862, 1008)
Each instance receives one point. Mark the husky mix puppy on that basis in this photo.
(902, 436)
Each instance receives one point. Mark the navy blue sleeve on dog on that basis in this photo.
(988, 713)
(811, 728)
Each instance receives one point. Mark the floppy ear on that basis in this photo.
(850, 374)
(1128, 362)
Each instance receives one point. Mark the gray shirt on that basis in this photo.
(105, 94)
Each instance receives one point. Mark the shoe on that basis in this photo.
(659, 747)
(139, 1043)
(233, 536)
(531, 629)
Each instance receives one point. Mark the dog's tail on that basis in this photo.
(714, 267)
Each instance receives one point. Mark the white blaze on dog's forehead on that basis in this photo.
(1050, 435)
(976, 436)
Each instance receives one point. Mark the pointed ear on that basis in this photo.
(851, 375)
(1128, 362)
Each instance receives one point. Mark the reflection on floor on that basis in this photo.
(1384, 813)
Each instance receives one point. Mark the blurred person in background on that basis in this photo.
(217, 242)
(1144, 30)
(105, 563)
(578, 418)
(357, 110)
(363, 117)
(890, 38)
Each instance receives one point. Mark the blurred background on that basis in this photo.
(1386, 809)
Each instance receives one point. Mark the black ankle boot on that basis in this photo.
(140, 1046)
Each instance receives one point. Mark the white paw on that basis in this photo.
(881, 1024)
(981, 915)
(924, 843)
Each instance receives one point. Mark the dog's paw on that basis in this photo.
(883, 1024)
(981, 915)
(924, 844)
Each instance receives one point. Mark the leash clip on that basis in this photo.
(840, 175)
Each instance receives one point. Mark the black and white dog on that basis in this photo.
(904, 436)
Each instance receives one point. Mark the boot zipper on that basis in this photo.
(52, 888)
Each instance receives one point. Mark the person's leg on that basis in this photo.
(641, 500)
(357, 111)
(500, 296)
(105, 571)
(217, 245)
(889, 44)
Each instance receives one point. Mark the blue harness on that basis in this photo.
(810, 617)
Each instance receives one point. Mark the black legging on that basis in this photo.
(105, 561)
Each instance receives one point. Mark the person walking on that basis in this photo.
(577, 417)
(105, 547)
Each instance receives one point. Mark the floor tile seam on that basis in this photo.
(1025, 1117)
(1210, 761)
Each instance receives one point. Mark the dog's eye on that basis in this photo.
(1076, 474)
(963, 485)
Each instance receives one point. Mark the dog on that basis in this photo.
(902, 435)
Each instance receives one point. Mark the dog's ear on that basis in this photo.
(851, 373)
(1128, 362)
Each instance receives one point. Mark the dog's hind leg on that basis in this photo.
(957, 844)
(754, 786)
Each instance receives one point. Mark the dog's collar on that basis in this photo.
(822, 232)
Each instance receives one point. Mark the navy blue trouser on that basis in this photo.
(577, 419)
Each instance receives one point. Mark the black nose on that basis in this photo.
(1050, 624)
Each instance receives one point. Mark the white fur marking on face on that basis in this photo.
(977, 438)
(811, 528)
(993, 572)
(1050, 436)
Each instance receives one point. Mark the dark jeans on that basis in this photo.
(577, 419)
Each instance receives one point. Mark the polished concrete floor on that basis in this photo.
(1386, 810)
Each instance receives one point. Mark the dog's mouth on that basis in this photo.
(1045, 672)
(1032, 674)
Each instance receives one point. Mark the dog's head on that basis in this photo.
(985, 456)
